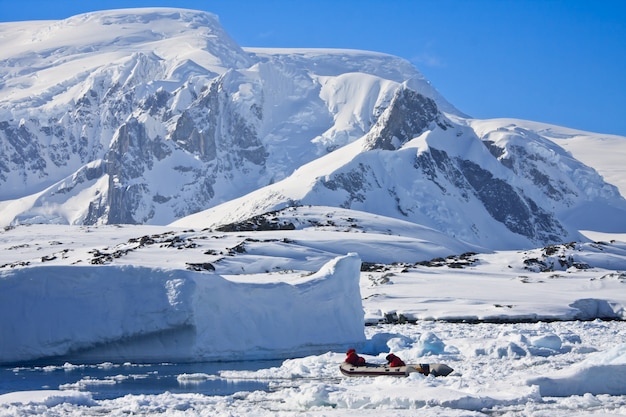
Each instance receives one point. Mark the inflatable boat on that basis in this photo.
(372, 369)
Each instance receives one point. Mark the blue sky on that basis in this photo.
(555, 61)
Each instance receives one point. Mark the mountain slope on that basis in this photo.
(150, 115)
(508, 188)
(603, 152)
(149, 94)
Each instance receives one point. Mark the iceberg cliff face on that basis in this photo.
(125, 313)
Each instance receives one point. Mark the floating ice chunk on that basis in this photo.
(49, 398)
(430, 344)
(601, 373)
(550, 341)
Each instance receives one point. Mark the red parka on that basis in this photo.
(353, 359)
(394, 361)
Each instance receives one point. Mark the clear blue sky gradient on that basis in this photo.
(555, 61)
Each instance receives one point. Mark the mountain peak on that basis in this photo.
(165, 21)
(148, 15)
(67, 50)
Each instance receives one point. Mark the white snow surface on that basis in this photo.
(132, 294)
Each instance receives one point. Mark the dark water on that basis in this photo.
(107, 381)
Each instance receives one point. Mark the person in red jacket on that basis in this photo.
(394, 361)
(353, 359)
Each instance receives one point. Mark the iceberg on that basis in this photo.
(142, 314)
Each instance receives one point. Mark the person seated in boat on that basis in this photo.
(353, 359)
(394, 361)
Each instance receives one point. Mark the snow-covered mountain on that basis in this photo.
(151, 115)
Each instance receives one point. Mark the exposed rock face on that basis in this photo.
(520, 214)
(409, 114)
